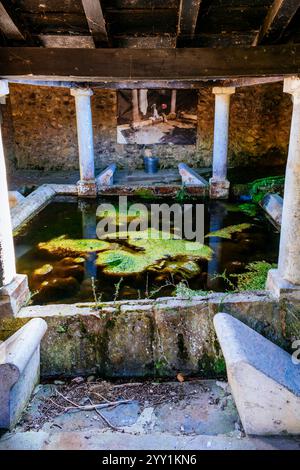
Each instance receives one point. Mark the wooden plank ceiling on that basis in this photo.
(148, 23)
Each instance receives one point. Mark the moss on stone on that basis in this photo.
(227, 232)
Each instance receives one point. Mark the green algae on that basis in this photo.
(148, 252)
(62, 246)
(227, 232)
(123, 215)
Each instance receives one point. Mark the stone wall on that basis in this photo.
(150, 337)
(41, 129)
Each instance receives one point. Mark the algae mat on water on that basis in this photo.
(139, 254)
(227, 232)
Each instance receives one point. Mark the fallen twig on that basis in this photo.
(97, 405)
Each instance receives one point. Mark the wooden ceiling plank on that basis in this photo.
(276, 21)
(95, 19)
(66, 41)
(8, 26)
(150, 64)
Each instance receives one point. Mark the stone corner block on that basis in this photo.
(190, 176)
(87, 188)
(106, 177)
(14, 295)
(19, 370)
(265, 382)
(219, 188)
(281, 288)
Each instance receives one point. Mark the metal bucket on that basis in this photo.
(151, 164)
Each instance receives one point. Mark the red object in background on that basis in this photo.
(164, 106)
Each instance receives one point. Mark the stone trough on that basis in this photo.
(19, 370)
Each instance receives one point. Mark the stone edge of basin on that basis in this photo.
(265, 382)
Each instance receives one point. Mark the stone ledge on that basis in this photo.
(19, 370)
(264, 381)
(14, 295)
(190, 176)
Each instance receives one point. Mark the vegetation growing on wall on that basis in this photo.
(255, 276)
(260, 187)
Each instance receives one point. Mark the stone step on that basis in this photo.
(265, 382)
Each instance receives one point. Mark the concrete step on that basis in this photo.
(110, 440)
(265, 382)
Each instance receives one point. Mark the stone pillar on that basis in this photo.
(219, 185)
(285, 281)
(13, 288)
(86, 184)
(173, 101)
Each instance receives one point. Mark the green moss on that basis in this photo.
(227, 232)
(62, 246)
(260, 187)
(248, 208)
(43, 270)
(255, 276)
(144, 193)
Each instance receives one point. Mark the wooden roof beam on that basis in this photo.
(187, 17)
(8, 26)
(96, 21)
(277, 20)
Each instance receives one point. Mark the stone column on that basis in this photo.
(219, 185)
(285, 281)
(173, 101)
(13, 288)
(86, 184)
(135, 106)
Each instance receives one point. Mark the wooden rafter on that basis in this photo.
(276, 21)
(95, 20)
(8, 26)
(187, 18)
(150, 64)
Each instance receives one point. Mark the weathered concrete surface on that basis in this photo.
(264, 381)
(106, 177)
(19, 370)
(148, 337)
(190, 176)
(15, 198)
(272, 204)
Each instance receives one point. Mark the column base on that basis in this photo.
(219, 188)
(281, 288)
(14, 295)
(87, 188)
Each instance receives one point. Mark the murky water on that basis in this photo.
(61, 278)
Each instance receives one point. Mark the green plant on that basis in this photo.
(117, 289)
(255, 276)
(260, 187)
(97, 297)
(182, 290)
(181, 194)
(225, 278)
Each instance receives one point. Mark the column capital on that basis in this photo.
(291, 85)
(223, 90)
(4, 90)
(81, 92)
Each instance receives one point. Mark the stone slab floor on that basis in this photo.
(193, 414)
